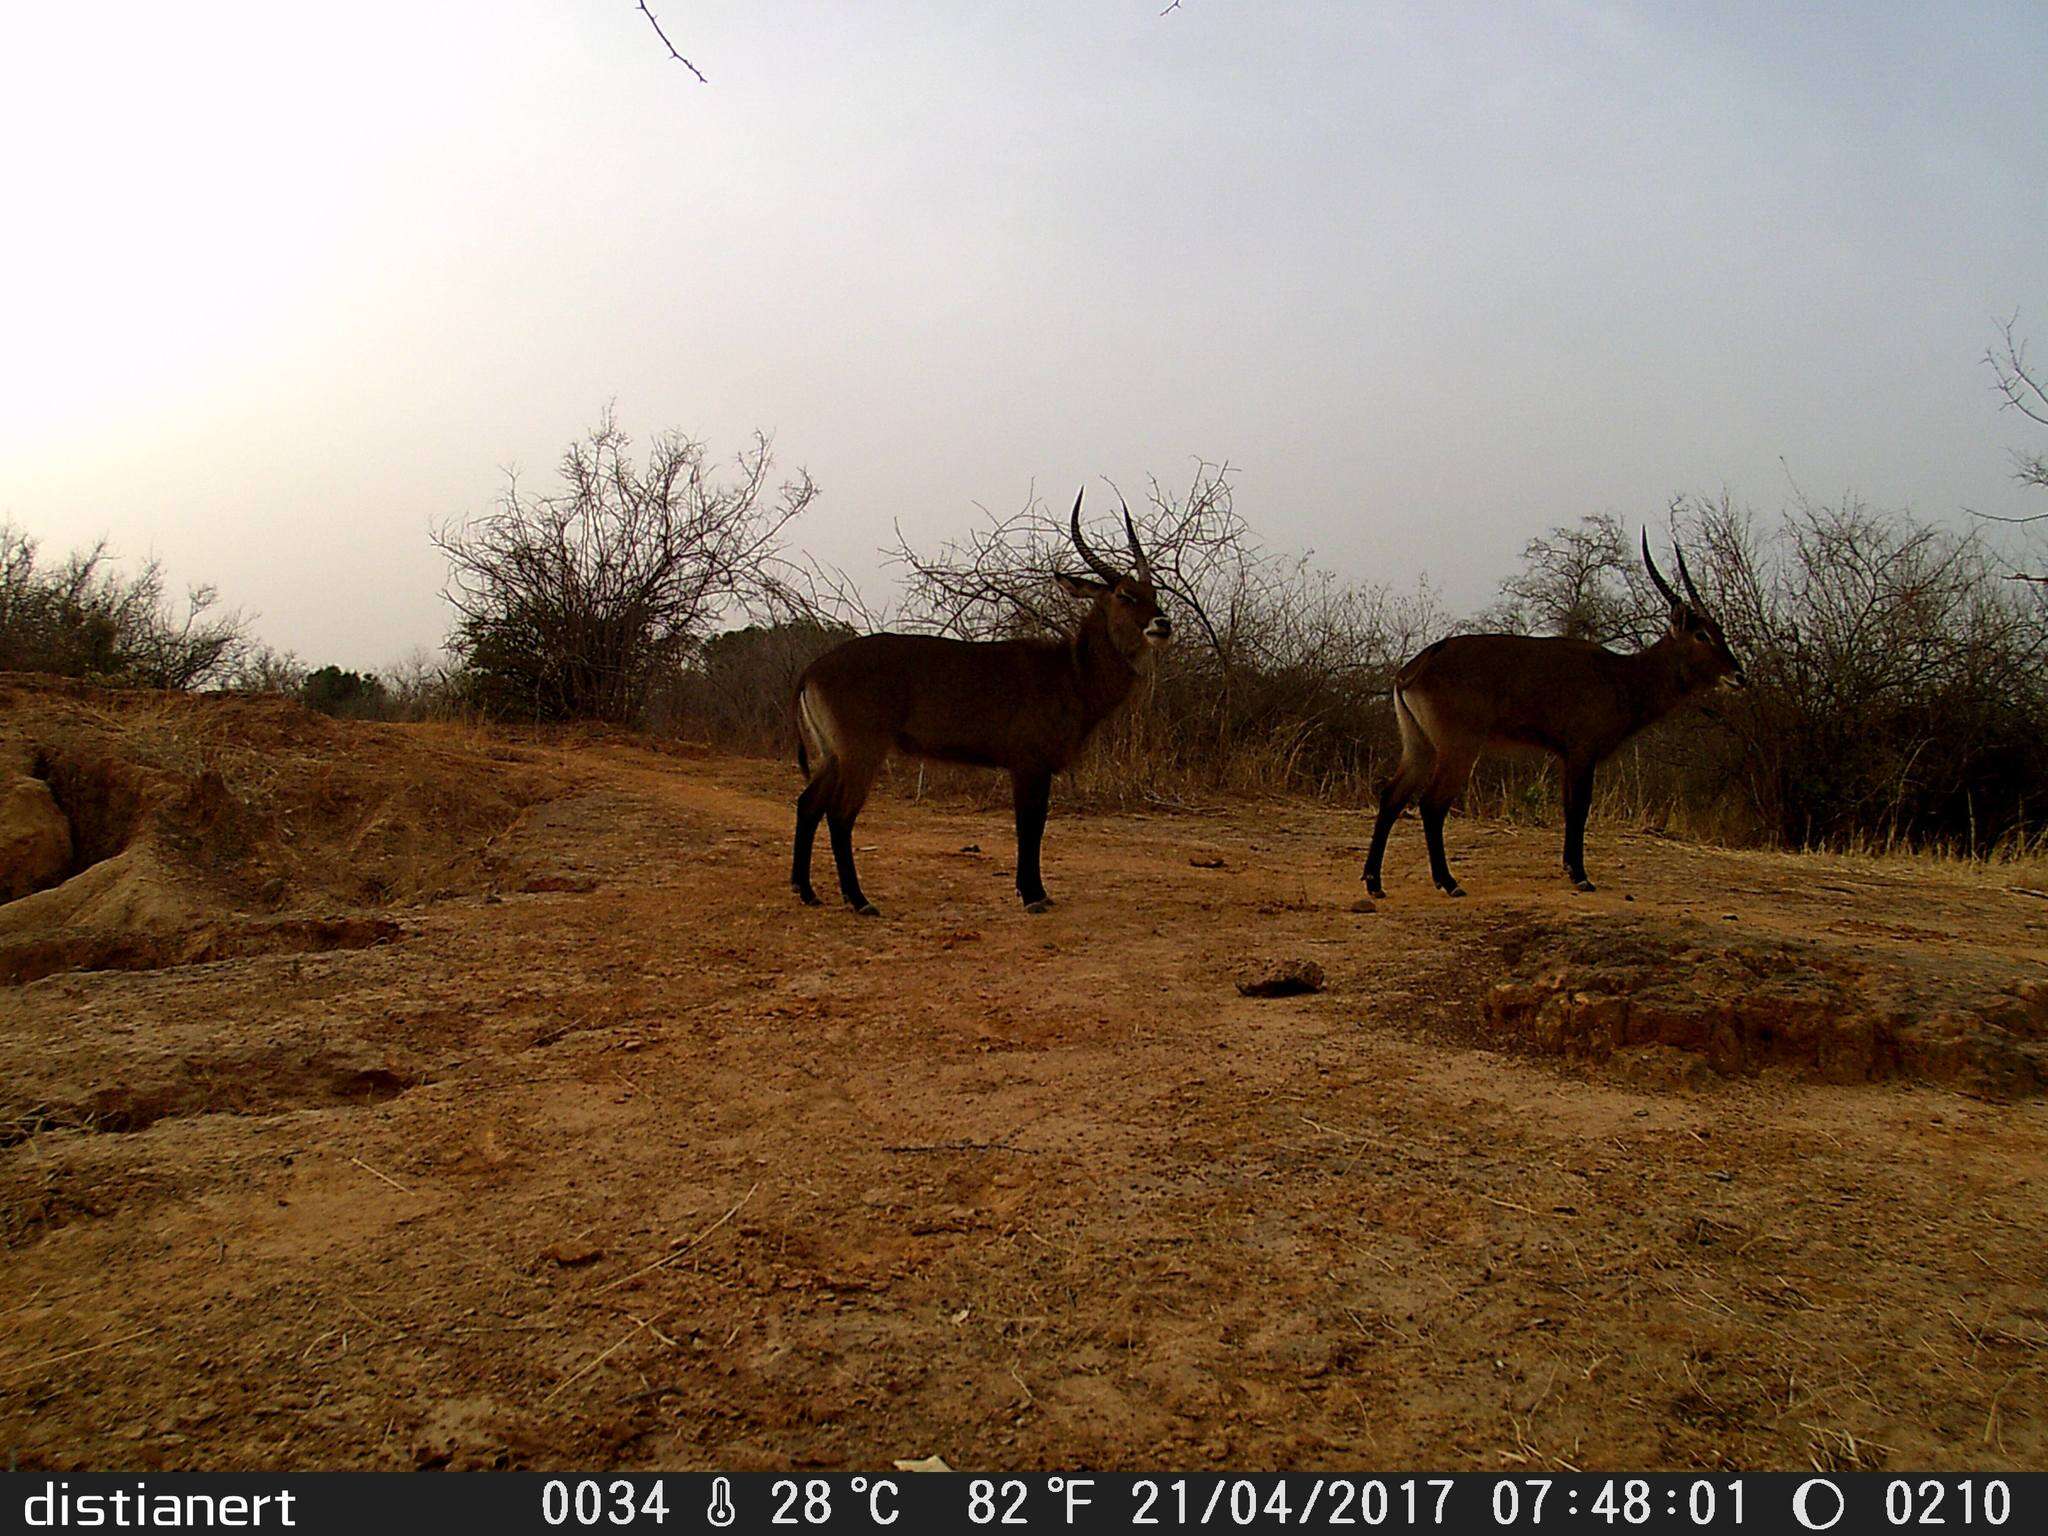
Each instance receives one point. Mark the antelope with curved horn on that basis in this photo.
(1572, 698)
(1022, 705)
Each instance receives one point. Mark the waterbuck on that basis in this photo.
(1572, 698)
(1022, 705)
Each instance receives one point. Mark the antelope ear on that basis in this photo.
(1079, 586)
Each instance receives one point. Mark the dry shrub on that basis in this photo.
(84, 619)
(574, 606)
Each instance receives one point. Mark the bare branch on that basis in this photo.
(671, 47)
(2022, 389)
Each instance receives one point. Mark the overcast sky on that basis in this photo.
(285, 284)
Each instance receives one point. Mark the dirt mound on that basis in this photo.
(1741, 1004)
(214, 827)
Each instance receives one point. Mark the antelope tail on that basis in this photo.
(814, 728)
(1416, 745)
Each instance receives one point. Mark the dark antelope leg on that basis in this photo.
(1394, 798)
(1433, 833)
(810, 810)
(1578, 800)
(1447, 782)
(841, 825)
(852, 777)
(1033, 794)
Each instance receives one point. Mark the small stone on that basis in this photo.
(1280, 978)
(1365, 904)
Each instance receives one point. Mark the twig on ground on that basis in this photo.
(569, 1381)
(667, 1259)
(90, 1349)
(649, 1326)
(384, 1176)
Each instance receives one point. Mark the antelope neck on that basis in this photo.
(1660, 676)
(1104, 673)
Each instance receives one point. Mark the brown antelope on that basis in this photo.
(1022, 705)
(1572, 698)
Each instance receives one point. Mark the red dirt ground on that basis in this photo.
(579, 1142)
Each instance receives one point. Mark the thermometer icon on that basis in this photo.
(721, 1512)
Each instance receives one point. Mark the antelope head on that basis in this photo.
(1128, 603)
(1706, 652)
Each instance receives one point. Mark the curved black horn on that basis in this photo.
(1686, 576)
(1144, 566)
(1657, 576)
(1095, 562)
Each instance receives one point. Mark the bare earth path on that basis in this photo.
(641, 1164)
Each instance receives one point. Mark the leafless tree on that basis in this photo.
(571, 605)
(2022, 388)
(264, 669)
(421, 685)
(1582, 581)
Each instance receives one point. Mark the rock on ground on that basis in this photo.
(1280, 978)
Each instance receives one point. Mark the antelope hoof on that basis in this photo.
(1372, 888)
(1453, 889)
(1040, 904)
(1583, 884)
(808, 896)
(867, 909)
